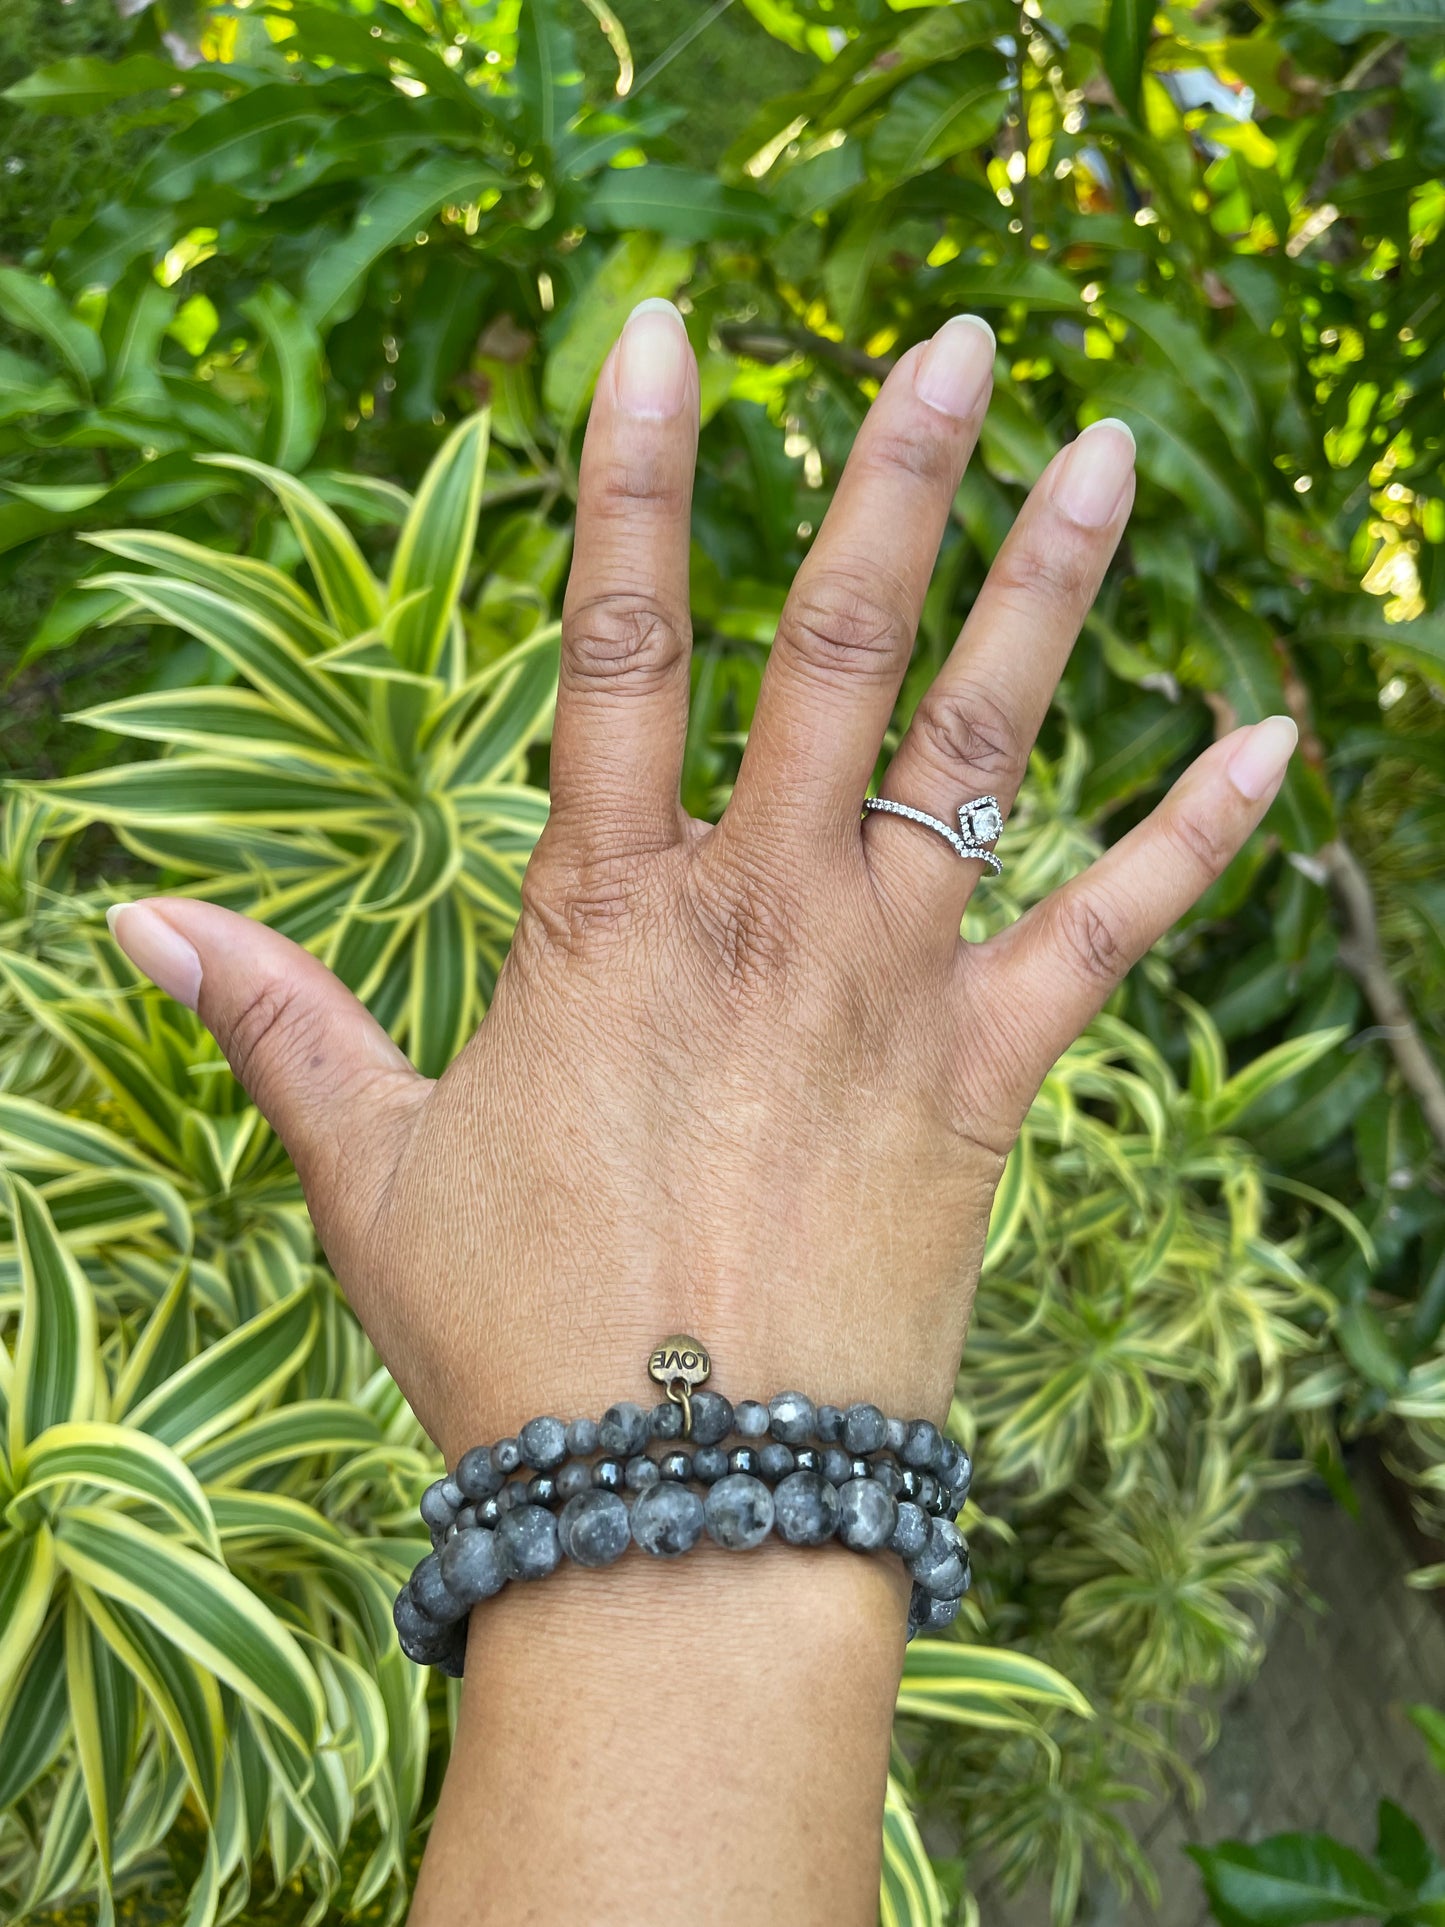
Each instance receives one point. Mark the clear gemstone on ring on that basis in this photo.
(982, 822)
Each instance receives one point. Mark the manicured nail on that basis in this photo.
(957, 365)
(652, 360)
(1095, 472)
(1258, 764)
(157, 949)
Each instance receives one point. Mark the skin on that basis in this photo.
(736, 1081)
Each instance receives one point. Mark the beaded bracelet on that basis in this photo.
(488, 1529)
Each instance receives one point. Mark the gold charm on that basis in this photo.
(680, 1365)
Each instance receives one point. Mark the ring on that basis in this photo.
(980, 823)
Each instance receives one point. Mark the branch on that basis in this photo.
(781, 344)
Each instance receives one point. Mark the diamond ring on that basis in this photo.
(980, 824)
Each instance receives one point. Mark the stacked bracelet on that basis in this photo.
(876, 1484)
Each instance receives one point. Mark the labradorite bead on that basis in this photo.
(709, 1463)
(516, 1494)
(807, 1459)
(527, 1543)
(665, 1420)
(866, 1515)
(593, 1528)
(582, 1437)
(607, 1475)
(895, 1431)
(506, 1456)
(928, 1491)
(667, 1521)
(910, 1531)
(427, 1649)
(544, 1443)
(471, 1568)
(828, 1424)
(476, 1474)
(453, 1494)
(834, 1464)
(918, 1607)
(738, 1512)
(430, 1593)
(941, 1613)
(776, 1461)
(885, 1473)
(676, 1465)
(751, 1419)
(920, 1445)
(437, 1510)
(963, 1477)
(743, 1459)
(623, 1430)
(488, 1513)
(572, 1479)
(449, 1534)
(542, 1490)
(640, 1472)
(712, 1417)
(791, 1418)
(943, 1532)
(806, 1509)
(466, 1518)
(409, 1619)
(864, 1428)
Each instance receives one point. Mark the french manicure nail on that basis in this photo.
(957, 365)
(1095, 472)
(157, 949)
(652, 360)
(1257, 766)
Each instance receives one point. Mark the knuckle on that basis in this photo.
(1026, 575)
(1088, 933)
(966, 728)
(1199, 841)
(843, 629)
(891, 453)
(741, 926)
(568, 910)
(617, 484)
(615, 638)
(268, 1032)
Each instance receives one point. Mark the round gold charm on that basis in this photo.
(679, 1358)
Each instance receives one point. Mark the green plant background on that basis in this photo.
(272, 273)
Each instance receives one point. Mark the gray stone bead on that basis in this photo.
(409, 1619)
(527, 1543)
(791, 1418)
(750, 1419)
(471, 1569)
(805, 1506)
(428, 1647)
(866, 1515)
(640, 1472)
(506, 1456)
(738, 1512)
(453, 1494)
(429, 1591)
(776, 1461)
(572, 1479)
(920, 1445)
(593, 1529)
(466, 1518)
(835, 1465)
(895, 1431)
(544, 1443)
(712, 1417)
(944, 1579)
(928, 1491)
(940, 1613)
(477, 1476)
(962, 1480)
(910, 1530)
(709, 1464)
(864, 1428)
(887, 1474)
(623, 1430)
(943, 1532)
(516, 1494)
(665, 1420)
(582, 1437)
(828, 1424)
(667, 1520)
(918, 1609)
(437, 1510)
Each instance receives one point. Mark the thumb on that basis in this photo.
(314, 1060)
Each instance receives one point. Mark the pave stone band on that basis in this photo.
(980, 823)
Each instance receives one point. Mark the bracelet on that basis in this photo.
(489, 1529)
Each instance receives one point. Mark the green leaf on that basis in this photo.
(35, 308)
(103, 1717)
(435, 547)
(1293, 1880)
(120, 1458)
(1126, 43)
(242, 142)
(938, 114)
(1269, 1070)
(291, 369)
(310, 1428)
(226, 1382)
(55, 1358)
(27, 1573)
(83, 85)
(683, 205)
(547, 76)
(346, 584)
(1346, 21)
(909, 1894)
(36, 1721)
(639, 266)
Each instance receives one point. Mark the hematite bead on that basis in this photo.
(860, 1468)
(808, 1459)
(506, 1455)
(920, 1445)
(542, 1490)
(834, 1464)
(667, 1521)
(676, 1465)
(866, 1515)
(594, 1529)
(574, 1478)
(488, 1513)
(743, 1459)
(910, 1531)
(582, 1437)
(909, 1482)
(775, 1460)
(828, 1424)
(864, 1428)
(544, 1443)
(607, 1475)
(476, 1474)
(709, 1463)
(885, 1473)
(665, 1420)
(751, 1419)
(895, 1431)
(640, 1472)
(806, 1509)
(712, 1417)
(527, 1543)
(738, 1512)
(437, 1511)
(791, 1418)
(430, 1593)
(624, 1429)
(471, 1569)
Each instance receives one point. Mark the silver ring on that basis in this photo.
(980, 824)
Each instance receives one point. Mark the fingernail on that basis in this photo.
(957, 365)
(1095, 473)
(652, 360)
(1257, 766)
(158, 950)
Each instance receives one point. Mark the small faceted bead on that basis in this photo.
(828, 1424)
(572, 1479)
(607, 1475)
(751, 1419)
(544, 1443)
(791, 1418)
(910, 1531)
(582, 1437)
(834, 1464)
(623, 1430)
(471, 1569)
(640, 1472)
(864, 1428)
(743, 1459)
(712, 1417)
(776, 1461)
(860, 1468)
(488, 1513)
(910, 1483)
(665, 1420)
(676, 1465)
(429, 1591)
(476, 1474)
(920, 1445)
(542, 1490)
(895, 1431)
(738, 1512)
(709, 1464)
(807, 1459)
(885, 1473)
(506, 1456)
(806, 1509)
(527, 1543)
(437, 1510)
(866, 1515)
(593, 1529)
(667, 1521)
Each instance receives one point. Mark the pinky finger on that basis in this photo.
(1057, 965)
